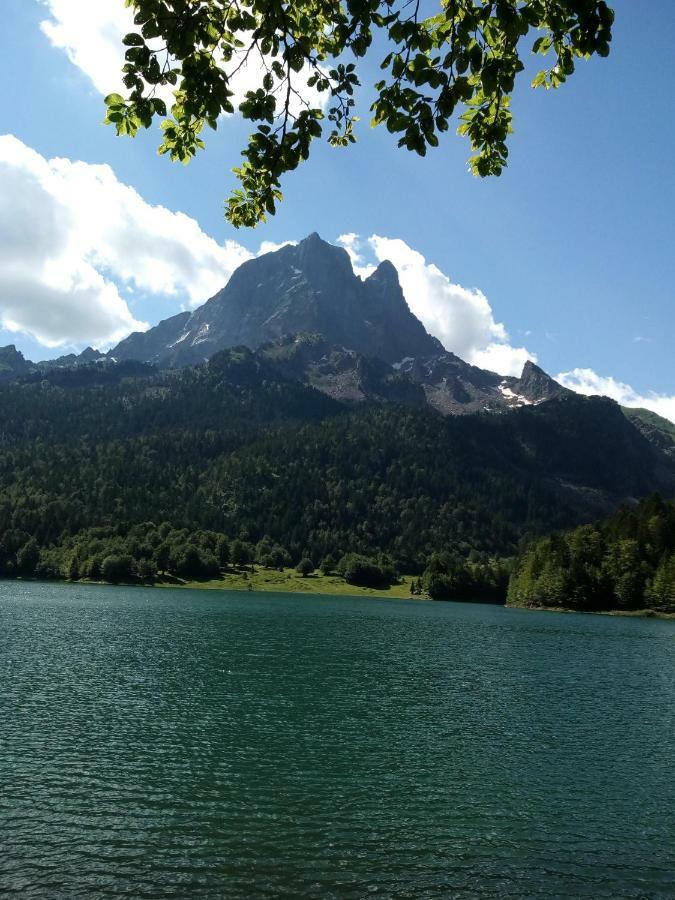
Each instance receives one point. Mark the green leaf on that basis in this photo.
(443, 57)
(133, 40)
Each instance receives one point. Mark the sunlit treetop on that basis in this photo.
(461, 60)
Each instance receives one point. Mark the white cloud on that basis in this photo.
(461, 318)
(90, 32)
(502, 358)
(73, 236)
(352, 243)
(587, 381)
(72, 232)
(271, 247)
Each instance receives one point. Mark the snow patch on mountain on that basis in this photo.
(510, 395)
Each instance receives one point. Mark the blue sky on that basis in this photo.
(571, 249)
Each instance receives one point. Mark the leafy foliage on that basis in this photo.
(123, 554)
(626, 562)
(358, 569)
(184, 473)
(305, 567)
(449, 576)
(465, 56)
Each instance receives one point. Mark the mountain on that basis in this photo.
(13, 364)
(444, 381)
(454, 387)
(86, 358)
(152, 346)
(310, 287)
(660, 431)
(236, 447)
(353, 339)
(313, 319)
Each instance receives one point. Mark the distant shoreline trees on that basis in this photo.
(625, 563)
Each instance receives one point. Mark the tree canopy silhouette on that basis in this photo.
(438, 59)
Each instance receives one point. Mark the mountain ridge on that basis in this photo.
(308, 287)
(306, 311)
(304, 307)
(358, 338)
(236, 447)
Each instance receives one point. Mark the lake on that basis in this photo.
(165, 743)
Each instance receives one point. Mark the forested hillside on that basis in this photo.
(625, 563)
(659, 431)
(233, 452)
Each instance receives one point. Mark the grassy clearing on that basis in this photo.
(289, 580)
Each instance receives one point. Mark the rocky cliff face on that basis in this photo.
(88, 357)
(329, 328)
(308, 288)
(453, 387)
(342, 374)
(315, 321)
(154, 344)
(13, 364)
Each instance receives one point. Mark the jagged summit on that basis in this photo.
(453, 386)
(316, 321)
(308, 287)
(12, 363)
(386, 271)
(385, 280)
(536, 384)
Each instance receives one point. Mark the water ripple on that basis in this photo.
(156, 744)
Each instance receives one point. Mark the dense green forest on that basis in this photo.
(188, 471)
(627, 562)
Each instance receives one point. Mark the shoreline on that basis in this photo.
(618, 613)
(289, 581)
(260, 580)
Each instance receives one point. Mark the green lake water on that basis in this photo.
(159, 743)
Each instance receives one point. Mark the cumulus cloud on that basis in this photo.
(461, 318)
(72, 234)
(587, 381)
(271, 246)
(90, 32)
(353, 243)
(502, 357)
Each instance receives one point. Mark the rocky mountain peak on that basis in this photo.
(386, 272)
(313, 239)
(90, 355)
(536, 385)
(12, 363)
(321, 262)
(341, 326)
(10, 352)
(309, 287)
